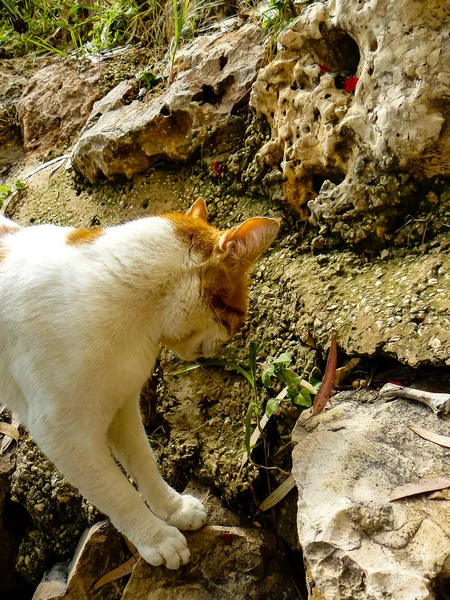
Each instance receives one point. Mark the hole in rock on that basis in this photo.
(441, 588)
(370, 71)
(339, 81)
(222, 62)
(213, 95)
(319, 179)
(316, 114)
(294, 86)
(336, 49)
(165, 111)
(373, 43)
(207, 96)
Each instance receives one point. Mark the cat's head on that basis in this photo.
(212, 295)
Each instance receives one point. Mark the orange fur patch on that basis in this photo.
(82, 237)
(227, 294)
(224, 289)
(4, 231)
(195, 233)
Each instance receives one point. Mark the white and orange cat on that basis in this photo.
(82, 317)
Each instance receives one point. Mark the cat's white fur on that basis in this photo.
(80, 330)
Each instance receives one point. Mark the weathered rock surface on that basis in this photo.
(357, 544)
(9, 537)
(58, 513)
(56, 103)
(100, 550)
(14, 78)
(229, 560)
(214, 75)
(355, 158)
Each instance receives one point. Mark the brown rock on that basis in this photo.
(55, 105)
(226, 563)
(214, 76)
(100, 550)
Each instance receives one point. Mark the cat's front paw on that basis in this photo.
(189, 515)
(167, 546)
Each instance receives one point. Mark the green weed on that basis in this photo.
(274, 370)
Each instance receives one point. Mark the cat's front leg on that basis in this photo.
(86, 461)
(130, 446)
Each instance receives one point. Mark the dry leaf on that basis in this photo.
(278, 494)
(344, 372)
(131, 547)
(121, 571)
(7, 439)
(11, 432)
(419, 487)
(436, 438)
(329, 377)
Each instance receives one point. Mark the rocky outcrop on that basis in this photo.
(100, 550)
(9, 538)
(56, 103)
(14, 77)
(358, 106)
(213, 79)
(228, 560)
(357, 544)
(58, 513)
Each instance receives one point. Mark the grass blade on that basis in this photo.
(278, 494)
(430, 436)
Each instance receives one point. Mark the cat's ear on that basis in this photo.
(246, 242)
(198, 210)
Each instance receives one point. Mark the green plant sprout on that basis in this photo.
(298, 390)
(6, 189)
(279, 368)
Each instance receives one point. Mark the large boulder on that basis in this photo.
(14, 77)
(213, 79)
(357, 544)
(358, 105)
(56, 103)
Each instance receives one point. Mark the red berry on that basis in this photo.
(350, 84)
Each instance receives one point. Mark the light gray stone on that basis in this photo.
(354, 159)
(356, 543)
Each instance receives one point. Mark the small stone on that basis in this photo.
(435, 343)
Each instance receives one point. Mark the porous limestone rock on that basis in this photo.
(213, 79)
(351, 159)
(356, 543)
(56, 103)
